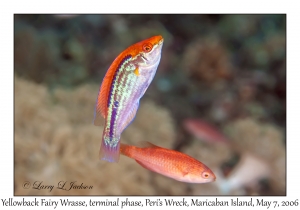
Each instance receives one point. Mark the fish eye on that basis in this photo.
(147, 47)
(205, 175)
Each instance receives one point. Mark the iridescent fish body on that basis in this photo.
(124, 84)
(170, 163)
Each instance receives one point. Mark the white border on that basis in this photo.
(254, 6)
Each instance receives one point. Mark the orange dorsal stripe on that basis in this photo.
(105, 87)
(107, 81)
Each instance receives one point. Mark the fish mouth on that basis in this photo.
(160, 41)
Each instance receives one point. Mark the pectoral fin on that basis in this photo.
(184, 173)
(146, 167)
(136, 72)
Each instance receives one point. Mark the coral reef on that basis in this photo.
(55, 141)
(265, 141)
(207, 60)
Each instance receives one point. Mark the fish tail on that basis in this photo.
(127, 150)
(123, 149)
(109, 152)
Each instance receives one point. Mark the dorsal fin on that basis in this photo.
(104, 90)
(146, 144)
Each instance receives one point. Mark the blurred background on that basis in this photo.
(219, 95)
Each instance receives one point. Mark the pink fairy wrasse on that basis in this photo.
(124, 84)
(170, 163)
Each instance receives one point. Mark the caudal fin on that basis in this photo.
(109, 153)
(128, 150)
